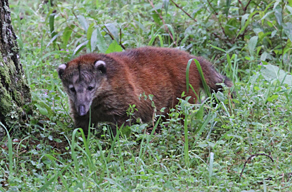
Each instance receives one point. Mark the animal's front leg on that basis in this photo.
(82, 122)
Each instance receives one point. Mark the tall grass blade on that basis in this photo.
(211, 167)
(188, 73)
(9, 144)
(206, 87)
(186, 145)
(201, 129)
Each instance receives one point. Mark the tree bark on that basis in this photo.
(15, 95)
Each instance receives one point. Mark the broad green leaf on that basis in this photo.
(89, 35)
(272, 72)
(257, 30)
(165, 4)
(114, 47)
(265, 36)
(83, 22)
(102, 46)
(288, 47)
(272, 98)
(252, 44)
(288, 30)
(66, 36)
(156, 18)
(89, 31)
(275, 4)
(52, 29)
(200, 113)
(243, 19)
(278, 15)
(227, 7)
(42, 109)
(258, 49)
(97, 40)
(51, 23)
(97, 4)
(274, 33)
(264, 56)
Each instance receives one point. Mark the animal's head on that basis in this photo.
(82, 79)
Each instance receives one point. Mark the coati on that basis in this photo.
(109, 83)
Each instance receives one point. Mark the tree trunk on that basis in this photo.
(14, 92)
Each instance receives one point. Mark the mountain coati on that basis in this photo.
(109, 83)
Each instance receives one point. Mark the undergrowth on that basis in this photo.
(248, 41)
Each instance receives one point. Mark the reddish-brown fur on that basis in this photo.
(160, 72)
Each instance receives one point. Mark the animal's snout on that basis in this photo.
(82, 110)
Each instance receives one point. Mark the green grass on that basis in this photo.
(205, 153)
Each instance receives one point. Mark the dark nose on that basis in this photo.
(82, 111)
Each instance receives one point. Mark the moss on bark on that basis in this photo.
(14, 92)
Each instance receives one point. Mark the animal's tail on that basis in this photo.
(213, 79)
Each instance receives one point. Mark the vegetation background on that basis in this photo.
(247, 147)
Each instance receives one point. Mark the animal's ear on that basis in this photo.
(100, 65)
(61, 70)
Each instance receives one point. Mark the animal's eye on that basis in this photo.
(90, 88)
(72, 89)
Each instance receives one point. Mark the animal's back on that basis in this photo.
(160, 72)
(124, 79)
